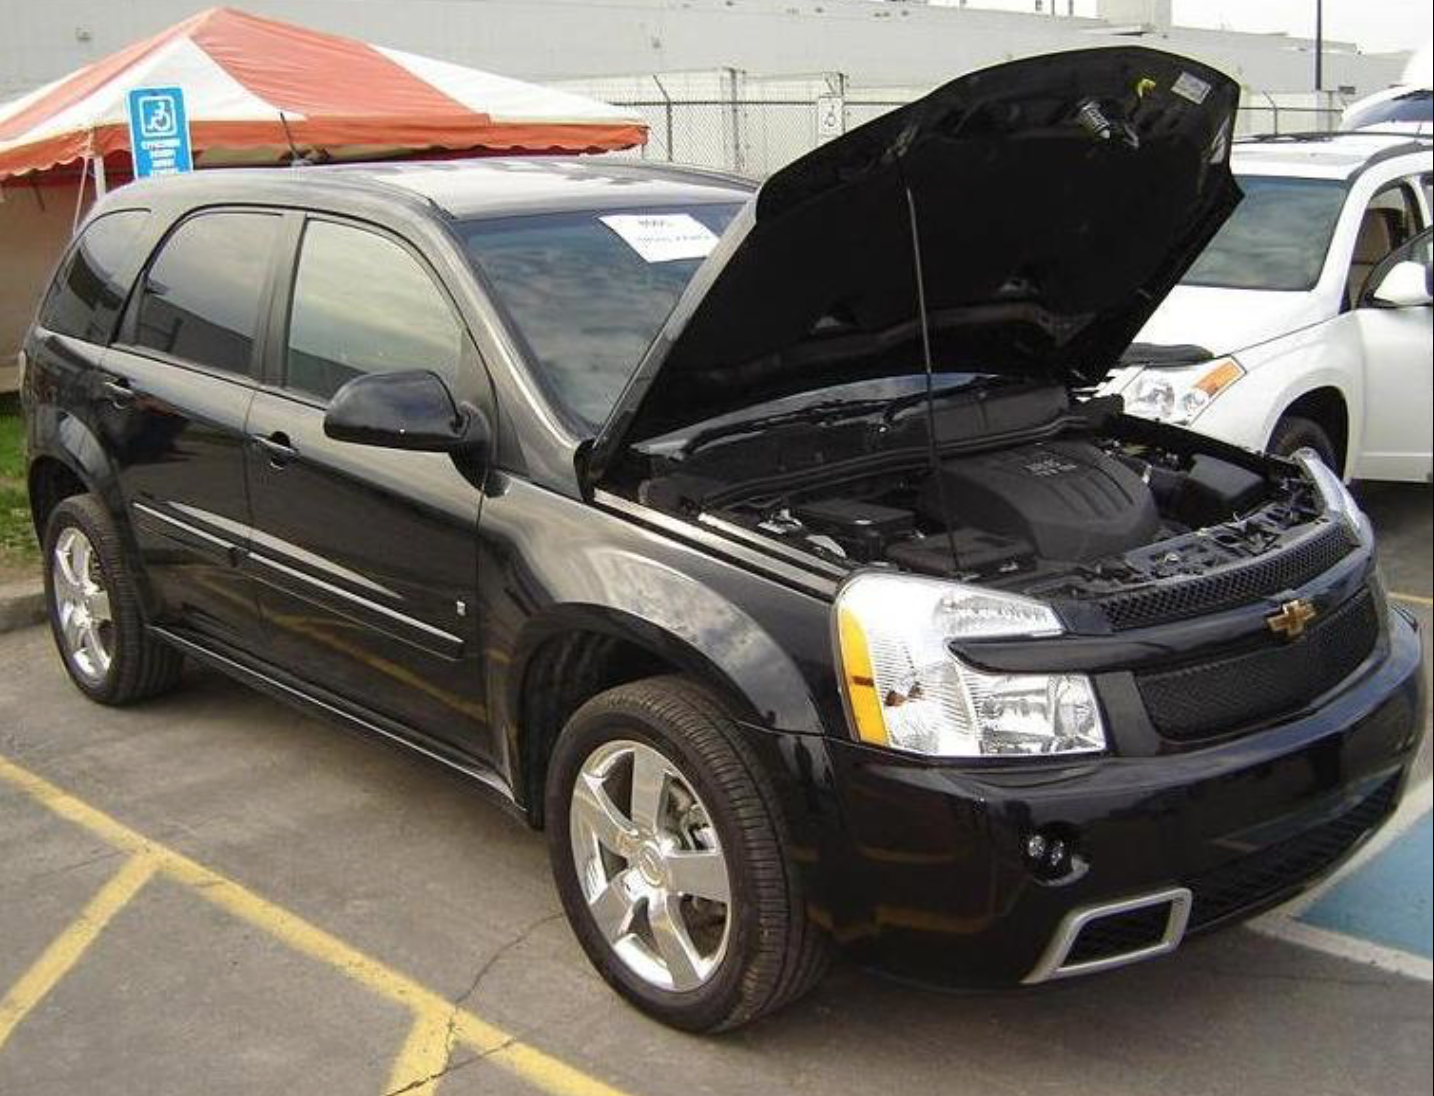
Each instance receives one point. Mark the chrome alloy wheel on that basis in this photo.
(82, 606)
(653, 875)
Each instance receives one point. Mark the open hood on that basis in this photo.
(1056, 201)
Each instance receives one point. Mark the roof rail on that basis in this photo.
(1331, 134)
(1410, 143)
(1408, 136)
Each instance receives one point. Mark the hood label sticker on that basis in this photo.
(1191, 87)
(663, 237)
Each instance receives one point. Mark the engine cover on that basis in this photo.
(1069, 500)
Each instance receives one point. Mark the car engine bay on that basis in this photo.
(1031, 492)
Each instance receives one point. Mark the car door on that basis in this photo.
(172, 403)
(366, 558)
(1398, 344)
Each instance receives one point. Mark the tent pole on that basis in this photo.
(80, 197)
(101, 182)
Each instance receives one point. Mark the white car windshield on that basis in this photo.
(1415, 106)
(1277, 237)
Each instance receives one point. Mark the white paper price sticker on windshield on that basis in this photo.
(663, 237)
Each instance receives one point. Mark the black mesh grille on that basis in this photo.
(1180, 599)
(1233, 692)
(1120, 934)
(1252, 880)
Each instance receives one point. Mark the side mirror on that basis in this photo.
(410, 410)
(1406, 285)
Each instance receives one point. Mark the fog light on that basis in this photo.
(1051, 854)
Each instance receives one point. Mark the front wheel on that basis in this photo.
(1293, 433)
(669, 857)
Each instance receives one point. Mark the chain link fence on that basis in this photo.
(755, 137)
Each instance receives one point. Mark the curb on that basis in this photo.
(22, 604)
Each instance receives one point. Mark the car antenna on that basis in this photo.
(296, 158)
(931, 446)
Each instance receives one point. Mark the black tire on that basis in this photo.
(774, 953)
(1293, 433)
(140, 666)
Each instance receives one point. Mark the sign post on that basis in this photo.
(159, 132)
(831, 117)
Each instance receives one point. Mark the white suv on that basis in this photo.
(1306, 321)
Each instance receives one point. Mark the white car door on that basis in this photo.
(1396, 327)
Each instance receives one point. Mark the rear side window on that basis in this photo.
(362, 304)
(86, 295)
(204, 293)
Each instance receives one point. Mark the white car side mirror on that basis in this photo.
(1405, 286)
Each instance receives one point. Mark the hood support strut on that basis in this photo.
(932, 447)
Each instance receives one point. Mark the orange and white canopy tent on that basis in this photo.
(255, 89)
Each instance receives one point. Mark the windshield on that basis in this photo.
(1276, 238)
(587, 292)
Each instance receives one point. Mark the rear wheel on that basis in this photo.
(94, 608)
(1293, 433)
(668, 853)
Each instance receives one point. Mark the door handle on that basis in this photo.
(118, 392)
(278, 448)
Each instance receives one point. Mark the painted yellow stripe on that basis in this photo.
(424, 1055)
(1414, 599)
(534, 1066)
(70, 946)
(558, 1077)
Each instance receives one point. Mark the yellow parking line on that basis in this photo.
(532, 1065)
(424, 1055)
(67, 948)
(1414, 599)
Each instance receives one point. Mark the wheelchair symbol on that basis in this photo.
(157, 117)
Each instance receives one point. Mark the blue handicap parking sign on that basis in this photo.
(159, 132)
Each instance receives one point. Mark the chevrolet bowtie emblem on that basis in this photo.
(1290, 621)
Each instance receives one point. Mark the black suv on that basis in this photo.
(755, 542)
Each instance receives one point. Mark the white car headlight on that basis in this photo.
(1339, 504)
(1178, 395)
(905, 689)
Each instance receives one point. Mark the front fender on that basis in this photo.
(553, 564)
(1280, 373)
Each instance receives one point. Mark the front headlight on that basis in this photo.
(905, 689)
(1339, 504)
(1179, 395)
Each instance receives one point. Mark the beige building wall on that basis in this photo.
(35, 225)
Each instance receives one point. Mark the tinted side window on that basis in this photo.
(85, 296)
(203, 295)
(362, 304)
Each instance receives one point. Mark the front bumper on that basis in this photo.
(926, 873)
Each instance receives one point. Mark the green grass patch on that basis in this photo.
(17, 538)
(12, 439)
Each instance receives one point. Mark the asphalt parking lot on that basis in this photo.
(210, 894)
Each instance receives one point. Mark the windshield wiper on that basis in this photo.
(831, 411)
(812, 414)
(895, 406)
